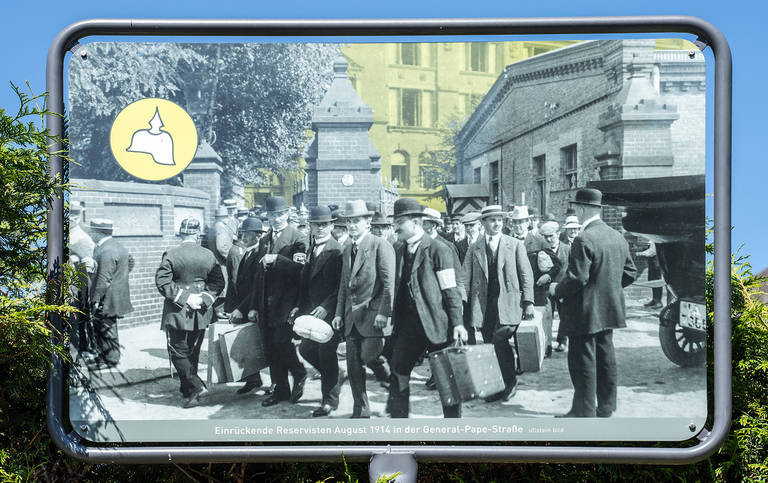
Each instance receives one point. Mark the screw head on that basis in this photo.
(84, 428)
(692, 427)
(83, 53)
(691, 54)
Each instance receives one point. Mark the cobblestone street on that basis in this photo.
(649, 385)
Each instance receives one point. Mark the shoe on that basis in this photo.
(323, 410)
(560, 347)
(653, 304)
(99, 363)
(272, 400)
(195, 398)
(604, 414)
(548, 352)
(505, 395)
(298, 389)
(431, 384)
(248, 387)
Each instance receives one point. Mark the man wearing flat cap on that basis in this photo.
(471, 223)
(592, 295)
(500, 285)
(365, 299)
(190, 280)
(281, 254)
(428, 310)
(318, 294)
(111, 295)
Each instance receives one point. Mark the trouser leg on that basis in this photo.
(107, 340)
(405, 353)
(278, 370)
(182, 346)
(654, 273)
(606, 372)
(581, 367)
(356, 374)
(504, 352)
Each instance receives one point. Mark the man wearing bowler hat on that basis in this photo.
(592, 294)
(500, 285)
(281, 254)
(365, 299)
(190, 280)
(428, 310)
(111, 296)
(318, 293)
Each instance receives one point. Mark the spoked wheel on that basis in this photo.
(683, 346)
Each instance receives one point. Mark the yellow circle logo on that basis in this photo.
(153, 139)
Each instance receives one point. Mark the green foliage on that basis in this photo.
(253, 102)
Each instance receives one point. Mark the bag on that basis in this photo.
(465, 372)
(242, 349)
(216, 372)
(312, 328)
(530, 343)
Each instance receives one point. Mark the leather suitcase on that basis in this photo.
(216, 373)
(530, 343)
(242, 349)
(472, 370)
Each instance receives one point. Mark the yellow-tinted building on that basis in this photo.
(415, 91)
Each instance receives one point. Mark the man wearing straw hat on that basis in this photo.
(111, 295)
(365, 299)
(190, 280)
(428, 311)
(592, 295)
(500, 285)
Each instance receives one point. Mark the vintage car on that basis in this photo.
(670, 212)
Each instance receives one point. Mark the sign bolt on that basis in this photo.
(692, 427)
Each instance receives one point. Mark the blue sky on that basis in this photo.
(27, 32)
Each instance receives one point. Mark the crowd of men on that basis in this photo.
(392, 288)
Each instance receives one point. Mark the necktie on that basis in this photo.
(354, 253)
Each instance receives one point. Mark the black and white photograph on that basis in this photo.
(486, 240)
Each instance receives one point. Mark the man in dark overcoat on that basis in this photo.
(110, 296)
(592, 294)
(282, 251)
(365, 299)
(318, 293)
(190, 280)
(427, 313)
(500, 285)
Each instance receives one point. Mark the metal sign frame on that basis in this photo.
(708, 36)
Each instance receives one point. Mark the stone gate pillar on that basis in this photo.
(204, 173)
(342, 163)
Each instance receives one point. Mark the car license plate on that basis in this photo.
(693, 315)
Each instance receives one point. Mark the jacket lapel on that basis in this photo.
(362, 253)
(479, 248)
(505, 245)
(420, 254)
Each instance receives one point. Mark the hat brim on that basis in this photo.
(495, 213)
(409, 213)
(352, 215)
(325, 219)
(585, 203)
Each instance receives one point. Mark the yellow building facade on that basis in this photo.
(416, 90)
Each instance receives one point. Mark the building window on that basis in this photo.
(495, 191)
(410, 101)
(428, 178)
(477, 58)
(569, 165)
(477, 176)
(540, 177)
(410, 54)
(401, 169)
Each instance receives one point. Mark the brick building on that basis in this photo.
(596, 110)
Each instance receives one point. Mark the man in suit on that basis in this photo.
(365, 299)
(500, 283)
(318, 294)
(520, 222)
(428, 311)
(190, 280)
(81, 259)
(592, 295)
(281, 254)
(111, 296)
(243, 286)
(471, 224)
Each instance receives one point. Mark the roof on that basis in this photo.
(467, 190)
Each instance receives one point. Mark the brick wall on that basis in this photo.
(146, 218)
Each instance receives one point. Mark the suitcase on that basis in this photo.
(242, 349)
(216, 372)
(530, 343)
(465, 372)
